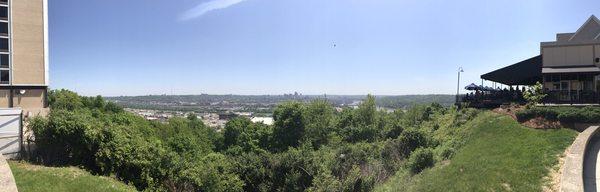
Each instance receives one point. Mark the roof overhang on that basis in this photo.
(546, 70)
(526, 72)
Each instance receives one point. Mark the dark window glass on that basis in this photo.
(567, 77)
(4, 12)
(4, 60)
(556, 86)
(4, 2)
(547, 78)
(3, 28)
(4, 77)
(555, 78)
(3, 44)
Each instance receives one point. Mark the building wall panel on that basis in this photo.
(4, 98)
(597, 54)
(27, 42)
(567, 56)
(33, 98)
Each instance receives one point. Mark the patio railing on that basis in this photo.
(572, 97)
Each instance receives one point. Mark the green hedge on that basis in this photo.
(562, 114)
(528, 114)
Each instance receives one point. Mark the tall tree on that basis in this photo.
(319, 122)
(289, 125)
(367, 110)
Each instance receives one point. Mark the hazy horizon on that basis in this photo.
(271, 47)
(312, 95)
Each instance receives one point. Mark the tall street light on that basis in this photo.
(460, 70)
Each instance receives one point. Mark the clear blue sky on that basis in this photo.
(384, 47)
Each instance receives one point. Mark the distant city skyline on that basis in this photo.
(313, 47)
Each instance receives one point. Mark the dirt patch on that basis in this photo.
(506, 187)
(541, 123)
(27, 167)
(509, 110)
(536, 123)
(555, 173)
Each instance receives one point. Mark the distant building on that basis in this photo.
(227, 116)
(24, 55)
(264, 120)
(568, 67)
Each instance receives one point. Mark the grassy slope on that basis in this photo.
(499, 155)
(39, 178)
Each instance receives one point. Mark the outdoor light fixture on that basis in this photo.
(460, 70)
(22, 91)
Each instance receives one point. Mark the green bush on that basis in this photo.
(563, 114)
(103, 138)
(420, 159)
(394, 151)
(446, 152)
(583, 115)
(535, 112)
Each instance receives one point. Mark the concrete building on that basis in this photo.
(568, 67)
(24, 55)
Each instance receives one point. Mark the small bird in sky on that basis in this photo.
(334, 45)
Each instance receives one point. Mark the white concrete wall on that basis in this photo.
(10, 132)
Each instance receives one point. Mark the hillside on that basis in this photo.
(499, 155)
(311, 146)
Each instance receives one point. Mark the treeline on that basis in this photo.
(403, 101)
(310, 147)
(203, 103)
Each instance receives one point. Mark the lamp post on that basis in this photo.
(460, 70)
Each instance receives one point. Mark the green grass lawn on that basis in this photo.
(66, 179)
(499, 155)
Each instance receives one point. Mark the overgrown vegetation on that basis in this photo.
(499, 155)
(562, 114)
(311, 146)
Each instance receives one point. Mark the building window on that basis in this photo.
(555, 86)
(3, 2)
(4, 13)
(4, 77)
(4, 44)
(4, 61)
(3, 29)
(555, 78)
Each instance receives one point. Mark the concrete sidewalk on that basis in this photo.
(7, 181)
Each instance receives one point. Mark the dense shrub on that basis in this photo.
(102, 137)
(289, 126)
(547, 113)
(420, 159)
(562, 114)
(359, 134)
(398, 149)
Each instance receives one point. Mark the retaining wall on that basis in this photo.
(572, 176)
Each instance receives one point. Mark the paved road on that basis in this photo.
(591, 166)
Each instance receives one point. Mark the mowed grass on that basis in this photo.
(65, 179)
(498, 155)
